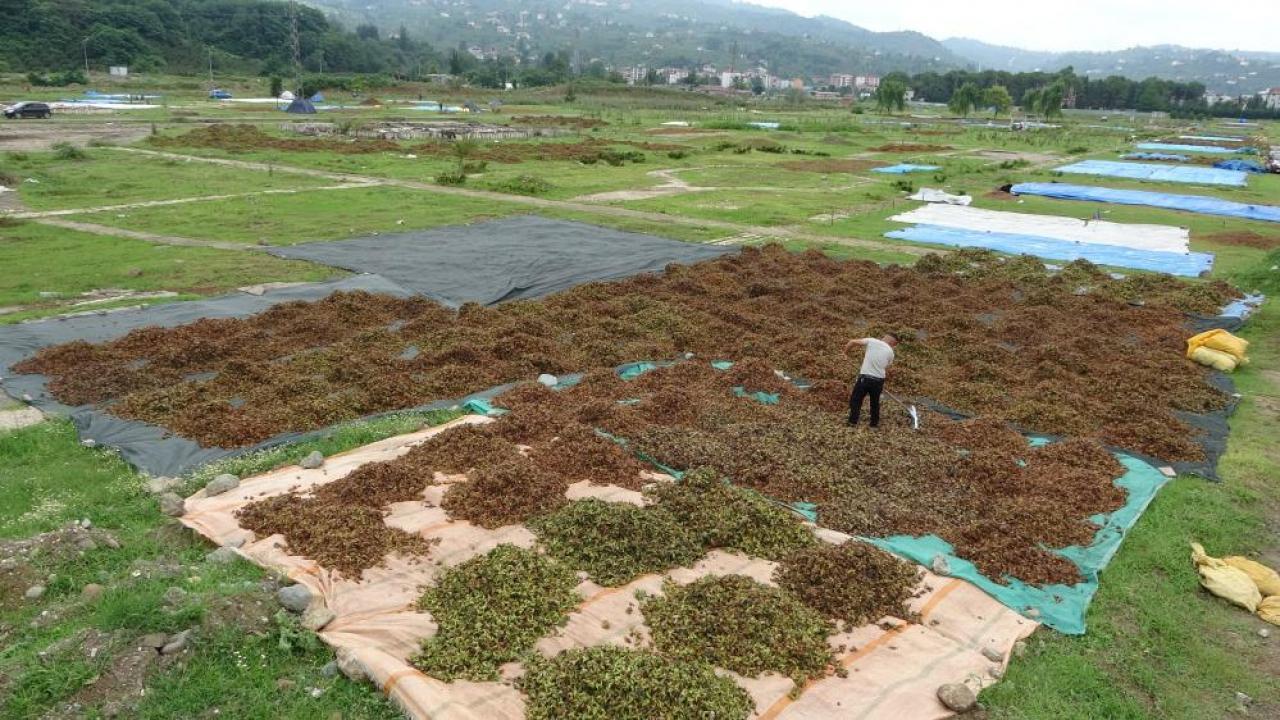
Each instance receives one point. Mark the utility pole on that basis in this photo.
(297, 48)
(85, 46)
(210, 49)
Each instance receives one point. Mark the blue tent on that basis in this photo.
(301, 106)
(1241, 165)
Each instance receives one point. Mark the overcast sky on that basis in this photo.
(1074, 25)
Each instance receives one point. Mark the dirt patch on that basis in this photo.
(1000, 194)
(239, 137)
(847, 165)
(22, 561)
(581, 123)
(910, 147)
(302, 366)
(33, 135)
(1245, 238)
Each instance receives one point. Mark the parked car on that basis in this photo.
(219, 95)
(28, 110)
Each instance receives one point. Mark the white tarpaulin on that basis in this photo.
(1158, 238)
(933, 195)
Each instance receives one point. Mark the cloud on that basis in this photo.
(1078, 25)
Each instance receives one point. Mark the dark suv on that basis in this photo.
(28, 110)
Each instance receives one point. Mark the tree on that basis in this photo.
(891, 95)
(965, 99)
(277, 86)
(1051, 100)
(1031, 101)
(367, 32)
(998, 99)
(757, 86)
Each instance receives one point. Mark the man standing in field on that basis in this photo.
(876, 359)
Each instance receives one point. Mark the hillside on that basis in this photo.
(1220, 71)
(652, 33)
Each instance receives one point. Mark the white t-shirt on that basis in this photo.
(877, 359)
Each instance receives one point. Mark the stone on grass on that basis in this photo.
(160, 485)
(175, 596)
(35, 592)
(1264, 633)
(221, 484)
(92, 591)
(294, 597)
(221, 556)
(330, 669)
(313, 461)
(173, 505)
(153, 640)
(1019, 648)
(176, 643)
(957, 697)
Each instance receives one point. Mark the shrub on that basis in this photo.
(67, 151)
(615, 542)
(451, 177)
(523, 185)
(585, 684)
(678, 154)
(491, 610)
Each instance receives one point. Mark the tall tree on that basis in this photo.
(965, 99)
(891, 95)
(998, 99)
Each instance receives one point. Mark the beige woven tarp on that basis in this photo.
(893, 673)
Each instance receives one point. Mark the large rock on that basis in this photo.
(160, 485)
(221, 484)
(957, 697)
(35, 592)
(176, 643)
(222, 556)
(313, 461)
(294, 597)
(173, 505)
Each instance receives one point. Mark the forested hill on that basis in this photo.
(180, 35)
(654, 33)
(1221, 71)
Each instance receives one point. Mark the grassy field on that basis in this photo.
(1158, 646)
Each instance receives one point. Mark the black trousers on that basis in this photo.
(865, 386)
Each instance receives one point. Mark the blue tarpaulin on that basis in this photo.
(1248, 166)
(1157, 173)
(1175, 147)
(904, 168)
(1155, 156)
(1184, 264)
(1190, 203)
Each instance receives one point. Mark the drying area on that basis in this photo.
(660, 491)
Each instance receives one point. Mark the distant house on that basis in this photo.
(1271, 98)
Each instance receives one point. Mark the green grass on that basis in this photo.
(307, 217)
(37, 258)
(48, 480)
(110, 177)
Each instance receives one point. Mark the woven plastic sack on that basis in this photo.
(1229, 583)
(1267, 580)
(1269, 610)
(1218, 360)
(1221, 341)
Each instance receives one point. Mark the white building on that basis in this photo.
(1271, 98)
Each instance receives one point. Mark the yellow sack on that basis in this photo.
(1267, 580)
(1223, 342)
(1230, 584)
(1215, 359)
(1269, 610)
